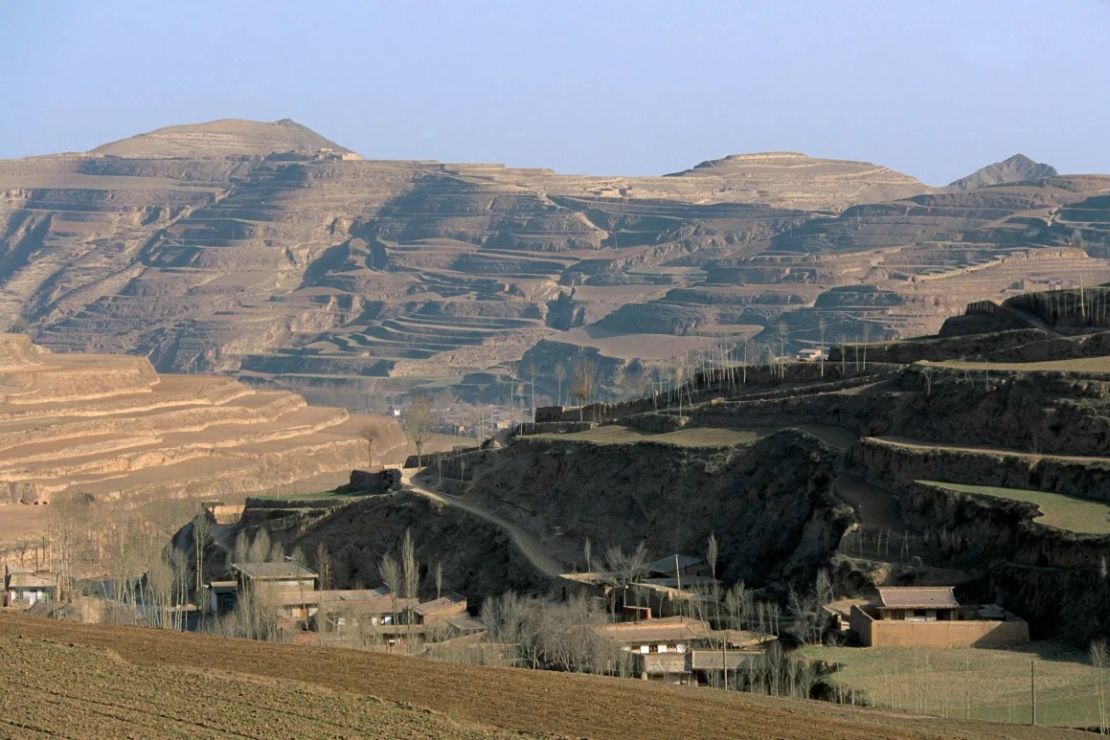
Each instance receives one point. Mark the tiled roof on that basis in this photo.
(918, 597)
(444, 603)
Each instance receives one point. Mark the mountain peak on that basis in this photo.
(1013, 169)
(222, 138)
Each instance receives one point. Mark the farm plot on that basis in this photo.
(974, 683)
(78, 691)
(1080, 515)
(690, 437)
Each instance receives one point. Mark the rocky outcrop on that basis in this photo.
(1014, 169)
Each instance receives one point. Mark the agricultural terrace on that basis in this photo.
(974, 683)
(1079, 515)
(1075, 365)
(691, 437)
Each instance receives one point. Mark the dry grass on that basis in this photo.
(159, 682)
(690, 437)
(1057, 510)
(974, 683)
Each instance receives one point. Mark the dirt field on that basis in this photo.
(975, 683)
(1064, 512)
(692, 437)
(108, 681)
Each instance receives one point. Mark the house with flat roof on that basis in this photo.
(931, 616)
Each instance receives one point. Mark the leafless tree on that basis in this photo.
(370, 435)
(418, 423)
(1099, 654)
(410, 571)
(260, 547)
(390, 574)
(625, 568)
(439, 579)
(202, 530)
(583, 382)
(560, 373)
(323, 565)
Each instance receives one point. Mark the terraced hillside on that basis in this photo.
(90, 680)
(267, 251)
(111, 427)
(976, 458)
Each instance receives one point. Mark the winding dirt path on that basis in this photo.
(526, 542)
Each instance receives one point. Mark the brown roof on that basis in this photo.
(919, 597)
(669, 629)
(30, 580)
(274, 571)
(450, 602)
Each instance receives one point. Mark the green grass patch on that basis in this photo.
(974, 683)
(1080, 515)
(691, 437)
(319, 496)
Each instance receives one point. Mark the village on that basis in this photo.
(669, 620)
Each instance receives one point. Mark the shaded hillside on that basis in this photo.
(977, 458)
(1014, 169)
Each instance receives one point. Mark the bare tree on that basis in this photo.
(411, 571)
(323, 565)
(390, 574)
(583, 382)
(439, 579)
(1100, 658)
(260, 547)
(625, 568)
(370, 435)
(202, 531)
(560, 373)
(418, 424)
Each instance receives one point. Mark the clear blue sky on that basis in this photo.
(934, 88)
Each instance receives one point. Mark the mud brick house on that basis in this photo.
(24, 588)
(287, 585)
(930, 616)
(682, 650)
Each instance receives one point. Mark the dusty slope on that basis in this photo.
(227, 137)
(506, 699)
(209, 247)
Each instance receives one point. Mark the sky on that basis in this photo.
(935, 89)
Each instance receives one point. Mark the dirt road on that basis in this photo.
(527, 543)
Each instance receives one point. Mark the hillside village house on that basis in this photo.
(682, 650)
(23, 588)
(284, 584)
(930, 616)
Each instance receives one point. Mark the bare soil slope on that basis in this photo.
(112, 679)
